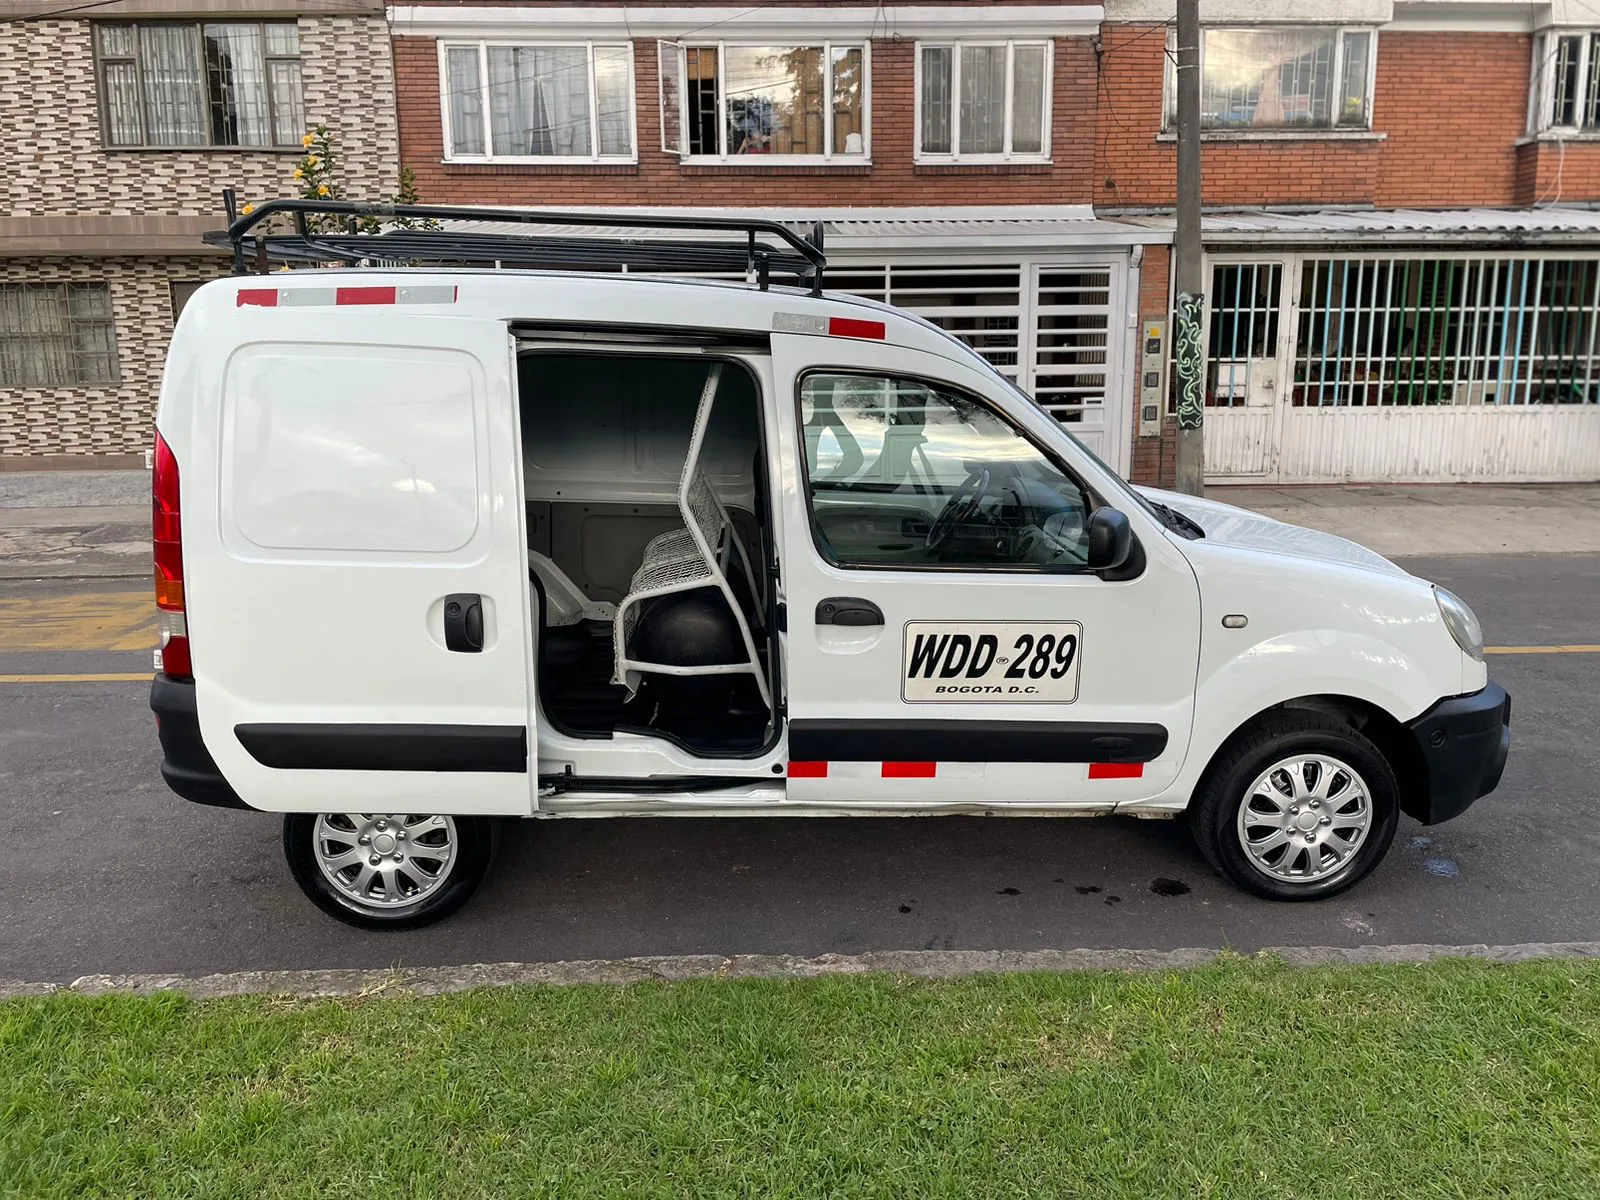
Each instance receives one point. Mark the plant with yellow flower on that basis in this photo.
(317, 175)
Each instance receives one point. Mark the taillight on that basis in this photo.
(166, 535)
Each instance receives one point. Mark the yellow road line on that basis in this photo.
(89, 621)
(110, 677)
(1541, 649)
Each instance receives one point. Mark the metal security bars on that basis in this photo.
(57, 335)
(1430, 331)
(1071, 331)
(1243, 344)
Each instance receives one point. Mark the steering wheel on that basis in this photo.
(959, 509)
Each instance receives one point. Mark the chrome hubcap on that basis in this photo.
(1304, 817)
(385, 860)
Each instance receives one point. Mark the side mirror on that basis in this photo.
(1110, 539)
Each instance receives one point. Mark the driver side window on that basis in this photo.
(904, 473)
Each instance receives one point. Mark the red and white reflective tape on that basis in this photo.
(935, 770)
(886, 770)
(319, 297)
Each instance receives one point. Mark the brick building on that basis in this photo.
(1402, 235)
(125, 121)
(1008, 171)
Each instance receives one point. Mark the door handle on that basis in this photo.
(848, 610)
(463, 622)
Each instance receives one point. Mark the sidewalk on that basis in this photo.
(96, 524)
(1398, 520)
(74, 524)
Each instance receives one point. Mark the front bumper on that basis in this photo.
(1463, 741)
(186, 764)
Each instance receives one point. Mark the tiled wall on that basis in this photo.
(102, 420)
(56, 162)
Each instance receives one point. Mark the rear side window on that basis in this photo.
(351, 449)
(904, 473)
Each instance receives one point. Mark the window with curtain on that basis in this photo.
(983, 101)
(177, 85)
(571, 102)
(57, 335)
(730, 101)
(1566, 82)
(1281, 78)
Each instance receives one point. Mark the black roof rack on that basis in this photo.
(413, 235)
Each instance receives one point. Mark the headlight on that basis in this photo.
(1461, 622)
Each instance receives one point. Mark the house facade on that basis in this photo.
(126, 121)
(1403, 243)
(1008, 170)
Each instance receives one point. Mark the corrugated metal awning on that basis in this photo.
(1461, 226)
(936, 230)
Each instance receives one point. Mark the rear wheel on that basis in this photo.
(388, 870)
(1300, 807)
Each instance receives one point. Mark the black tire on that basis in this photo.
(477, 839)
(1215, 807)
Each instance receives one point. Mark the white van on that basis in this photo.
(463, 545)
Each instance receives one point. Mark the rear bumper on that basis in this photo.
(1463, 741)
(186, 764)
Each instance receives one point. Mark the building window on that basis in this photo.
(1281, 78)
(1566, 83)
(172, 85)
(806, 103)
(182, 292)
(56, 335)
(985, 102)
(536, 103)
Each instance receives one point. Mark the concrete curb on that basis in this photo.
(921, 964)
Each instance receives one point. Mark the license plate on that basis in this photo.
(992, 662)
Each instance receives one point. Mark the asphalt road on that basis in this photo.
(103, 870)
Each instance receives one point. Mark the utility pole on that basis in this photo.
(1188, 354)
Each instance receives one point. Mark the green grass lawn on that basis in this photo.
(1242, 1079)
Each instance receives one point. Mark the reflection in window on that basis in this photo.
(1284, 78)
(903, 473)
(540, 101)
(795, 101)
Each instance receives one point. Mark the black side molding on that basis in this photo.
(186, 764)
(501, 748)
(975, 741)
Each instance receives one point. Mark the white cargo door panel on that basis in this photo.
(352, 492)
(915, 679)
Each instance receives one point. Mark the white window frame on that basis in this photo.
(956, 45)
(550, 160)
(827, 157)
(1542, 86)
(1169, 104)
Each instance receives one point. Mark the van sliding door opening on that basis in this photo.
(650, 548)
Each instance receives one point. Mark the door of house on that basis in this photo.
(1247, 369)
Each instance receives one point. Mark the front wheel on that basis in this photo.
(1301, 807)
(388, 870)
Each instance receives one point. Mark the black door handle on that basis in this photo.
(848, 610)
(463, 622)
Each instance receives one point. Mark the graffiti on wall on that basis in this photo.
(1189, 361)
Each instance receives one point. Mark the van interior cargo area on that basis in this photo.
(649, 547)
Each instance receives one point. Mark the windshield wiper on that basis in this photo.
(1177, 521)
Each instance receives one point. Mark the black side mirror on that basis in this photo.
(1110, 539)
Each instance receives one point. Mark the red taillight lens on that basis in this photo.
(166, 535)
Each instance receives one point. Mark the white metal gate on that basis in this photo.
(1379, 368)
(1051, 325)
